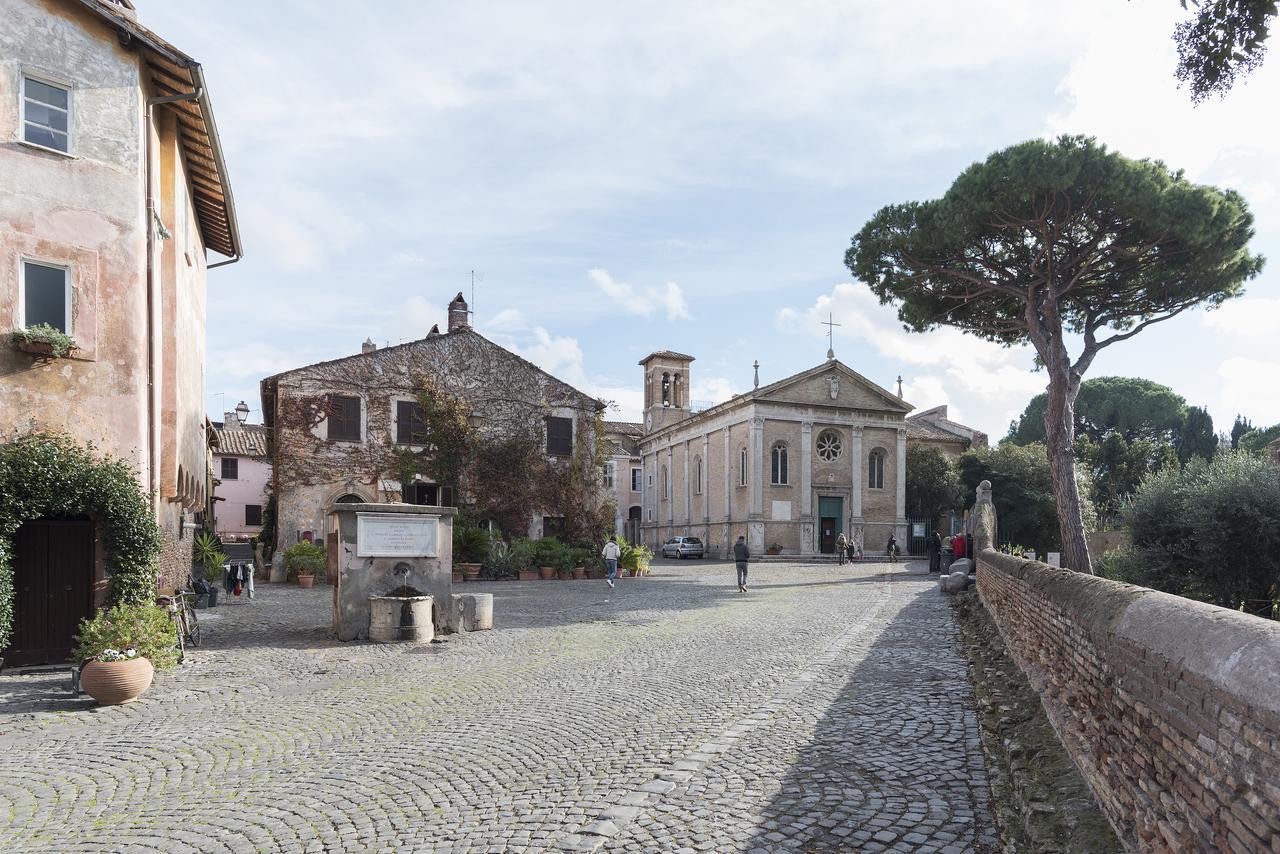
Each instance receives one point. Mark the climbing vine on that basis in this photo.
(51, 475)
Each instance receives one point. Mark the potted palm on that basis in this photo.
(470, 548)
(524, 556)
(305, 561)
(548, 557)
(121, 648)
(208, 555)
(635, 559)
(581, 556)
(499, 564)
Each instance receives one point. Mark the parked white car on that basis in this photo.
(681, 547)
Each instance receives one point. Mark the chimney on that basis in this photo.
(230, 421)
(458, 314)
(368, 346)
(435, 330)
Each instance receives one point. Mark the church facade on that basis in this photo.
(791, 464)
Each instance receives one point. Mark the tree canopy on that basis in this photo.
(1196, 439)
(933, 484)
(1225, 40)
(1133, 407)
(1049, 239)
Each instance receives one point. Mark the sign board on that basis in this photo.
(782, 511)
(396, 535)
(1055, 559)
(917, 529)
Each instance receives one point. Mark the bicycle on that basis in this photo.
(184, 619)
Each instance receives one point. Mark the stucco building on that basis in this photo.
(113, 194)
(241, 475)
(623, 479)
(932, 428)
(336, 427)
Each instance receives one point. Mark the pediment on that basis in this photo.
(833, 384)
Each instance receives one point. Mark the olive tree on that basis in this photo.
(1060, 244)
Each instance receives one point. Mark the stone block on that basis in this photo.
(471, 612)
(394, 619)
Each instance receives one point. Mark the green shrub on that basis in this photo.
(524, 554)
(499, 563)
(551, 552)
(304, 558)
(148, 629)
(470, 544)
(635, 557)
(60, 342)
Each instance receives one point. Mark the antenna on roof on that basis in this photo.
(471, 309)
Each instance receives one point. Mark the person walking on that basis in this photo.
(934, 547)
(842, 547)
(612, 551)
(892, 548)
(741, 554)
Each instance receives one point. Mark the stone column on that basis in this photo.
(688, 484)
(756, 483)
(670, 487)
(858, 473)
(728, 475)
(902, 487)
(806, 488)
(706, 486)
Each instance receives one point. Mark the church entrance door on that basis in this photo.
(830, 522)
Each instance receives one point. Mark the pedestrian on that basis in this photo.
(741, 554)
(612, 551)
(957, 547)
(855, 551)
(842, 547)
(892, 548)
(934, 547)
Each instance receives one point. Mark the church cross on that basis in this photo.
(831, 330)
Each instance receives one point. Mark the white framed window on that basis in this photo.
(637, 480)
(45, 296)
(610, 474)
(742, 467)
(778, 465)
(46, 114)
(875, 469)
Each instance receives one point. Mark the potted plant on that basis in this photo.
(121, 648)
(548, 557)
(499, 564)
(44, 340)
(305, 561)
(774, 549)
(524, 555)
(470, 548)
(635, 559)
(581, 558)
(565, 559)
(206, 552)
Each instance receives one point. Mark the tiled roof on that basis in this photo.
(666, 354)
(247, 441)
(927, 431)
(626, 428)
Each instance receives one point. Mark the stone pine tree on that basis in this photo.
(1059, 244)
(1224, 40)
(1196, 438)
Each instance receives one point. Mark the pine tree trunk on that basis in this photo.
(1059, 424)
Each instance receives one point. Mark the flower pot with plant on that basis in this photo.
(470, 548)
(524, 557)
(44, 340)
(207, 554)
(774, 549)
(121, 648)
(549, 555)
(306, 562)
(499, 563)
(635, 559)
(580, 557)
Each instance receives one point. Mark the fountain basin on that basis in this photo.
(400, 619)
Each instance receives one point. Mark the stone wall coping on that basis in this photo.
(409, 509)
(1237, 652)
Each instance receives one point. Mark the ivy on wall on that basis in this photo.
(51, 475)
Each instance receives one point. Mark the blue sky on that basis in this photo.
(628, 177)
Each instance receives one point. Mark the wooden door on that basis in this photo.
(53, 589)
(827, 525)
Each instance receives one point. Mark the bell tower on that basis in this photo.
(666, 388)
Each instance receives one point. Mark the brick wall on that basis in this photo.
(1170, 708)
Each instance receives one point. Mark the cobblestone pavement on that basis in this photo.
(824, 710)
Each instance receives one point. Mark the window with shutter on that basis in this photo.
(253, 514)
(560, 436)
(411, 427)
(344, 418)
(230, 468)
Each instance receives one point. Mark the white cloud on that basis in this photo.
(1251, 316)
(413, 320)
(670, 297)
(708, 391)
(1249, 386)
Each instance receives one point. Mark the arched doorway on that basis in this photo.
(633, 525)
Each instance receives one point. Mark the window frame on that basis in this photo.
(875, 473)
(779, 465)
(665, 476)
(550, 451)
(637, 484)
(329, 420)
(247, 520)
(697, 477)
(222, 470)
(56, 83)
(400, 423)
(67, 291)
(839, 445)
(609, 478)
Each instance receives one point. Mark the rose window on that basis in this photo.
(829, 446)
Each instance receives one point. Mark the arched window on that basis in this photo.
(349, 498)
(666, 389)
(742, 467)
(778, 469)
(875, 469)
(675, 390)
(829, 446)
(697, 475)
(666, 482)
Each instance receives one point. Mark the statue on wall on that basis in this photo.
(833, 384)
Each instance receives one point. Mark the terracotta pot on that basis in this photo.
(457, 577)
(472, 574)
(39, 348)
(633, 572)
(112, 683)
(580, 572)
(528, 575)
(306, 580)
(546, 573)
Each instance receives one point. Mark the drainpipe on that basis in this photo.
(153, 468)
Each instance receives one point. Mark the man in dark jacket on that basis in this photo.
(741, 554)
(934, 547)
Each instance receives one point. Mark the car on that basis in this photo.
(681, 547)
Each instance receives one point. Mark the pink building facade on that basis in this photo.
(241, 475)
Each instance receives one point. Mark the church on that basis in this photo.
(790, 465)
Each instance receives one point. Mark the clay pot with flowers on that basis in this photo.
(121, 648)
(305, 561)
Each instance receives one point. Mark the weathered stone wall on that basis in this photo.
(1169, 707)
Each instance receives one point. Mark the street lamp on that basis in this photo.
(242, 411)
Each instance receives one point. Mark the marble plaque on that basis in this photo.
(396, 535)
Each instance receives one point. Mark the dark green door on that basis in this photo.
(830, 522)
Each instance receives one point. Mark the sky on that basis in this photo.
(634, 176)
